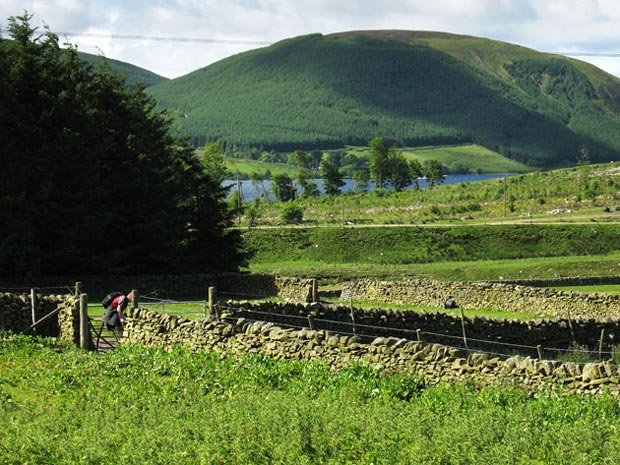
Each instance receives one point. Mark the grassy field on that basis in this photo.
(468, 253)
(248, 167)
(60, 405)
(472, 157)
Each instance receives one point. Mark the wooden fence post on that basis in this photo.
(33, 308)
(419, 334)
(78, 288)
(570, 325)
(213, 310)
(463, 328)
(539, 350)
(84, 326)
(600, 344)
(315, 291)
(135, 299)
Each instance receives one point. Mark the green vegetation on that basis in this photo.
(59, 405)
(567, 195)
(537, 225)
(481, 270)
(404, 245)
(450, 254)
(322, 92)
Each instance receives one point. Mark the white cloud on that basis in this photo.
(546, 25)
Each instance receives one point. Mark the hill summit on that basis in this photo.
(411, 87)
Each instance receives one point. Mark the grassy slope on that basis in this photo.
(319, 92)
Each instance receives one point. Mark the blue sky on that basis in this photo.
(591, 26)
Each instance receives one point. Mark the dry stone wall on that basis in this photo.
(480, 295)
(16, 315)
(485, 334)
(434, 363)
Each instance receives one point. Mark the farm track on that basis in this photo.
(559, 221)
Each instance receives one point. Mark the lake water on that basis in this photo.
(250, 190)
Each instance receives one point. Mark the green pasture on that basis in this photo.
(247, 168)
(471, 157)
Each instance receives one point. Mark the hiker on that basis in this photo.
(450, 303)
(114, 317)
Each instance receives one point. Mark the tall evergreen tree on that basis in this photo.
(91, 178)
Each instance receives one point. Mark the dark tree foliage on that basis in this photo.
(331, 176)
(283, 187)
(91, 179)
(399, 172)
(379, 161)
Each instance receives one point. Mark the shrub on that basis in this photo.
(292, 214)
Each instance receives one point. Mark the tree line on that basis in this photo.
(92, 179)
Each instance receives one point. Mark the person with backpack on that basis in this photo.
(115, 304)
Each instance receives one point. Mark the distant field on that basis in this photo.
(473, 158)
(469, 158)
(246, 168)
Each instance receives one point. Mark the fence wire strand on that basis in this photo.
(408, 331)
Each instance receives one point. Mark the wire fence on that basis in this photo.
(176, 307)
(368, 332)
(157, 300)
(42, 290)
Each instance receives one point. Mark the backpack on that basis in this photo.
(108, 299)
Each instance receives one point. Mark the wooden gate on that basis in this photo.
(103, 339)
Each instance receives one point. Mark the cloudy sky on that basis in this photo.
(210, 30)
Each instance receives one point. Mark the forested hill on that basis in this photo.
(134, 74)
(412, 88)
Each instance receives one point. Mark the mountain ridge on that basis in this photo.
(134, 74)
(411, 87)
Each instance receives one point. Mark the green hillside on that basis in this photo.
(414, 89)
(133, 73)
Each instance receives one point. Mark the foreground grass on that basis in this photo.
(59, 405)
